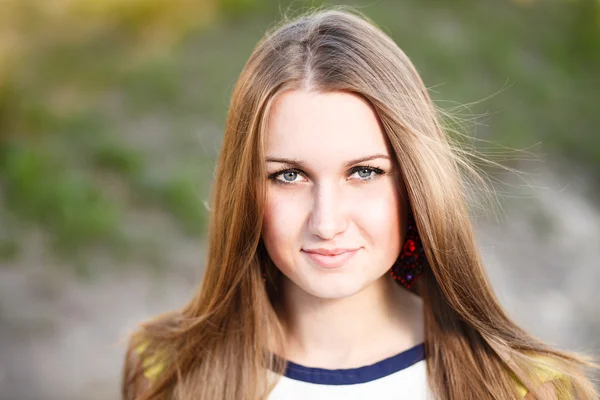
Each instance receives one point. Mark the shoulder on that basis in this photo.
(147, 356)
(133, 381)
(554, 383)
(141, 368)
(151, 363)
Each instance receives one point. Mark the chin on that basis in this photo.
(330, 289)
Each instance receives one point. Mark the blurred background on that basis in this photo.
(112, 114)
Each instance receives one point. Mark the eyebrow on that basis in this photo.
(300, 164)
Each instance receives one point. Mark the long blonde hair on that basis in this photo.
(217, 346)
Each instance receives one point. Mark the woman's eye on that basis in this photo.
(285, 177)
(289, 176)
(365, 173)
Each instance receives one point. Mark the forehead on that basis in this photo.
(323, 126)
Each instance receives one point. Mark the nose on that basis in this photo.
(327, 217)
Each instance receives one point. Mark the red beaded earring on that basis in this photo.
(412, 260)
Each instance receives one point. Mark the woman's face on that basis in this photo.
(332, 184)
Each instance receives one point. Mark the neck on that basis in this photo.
(378, 322)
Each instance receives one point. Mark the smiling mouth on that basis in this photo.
(331, 261)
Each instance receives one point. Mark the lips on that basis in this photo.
(333, 258)
(328, 252)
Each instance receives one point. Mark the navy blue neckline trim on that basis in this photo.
(354, 376)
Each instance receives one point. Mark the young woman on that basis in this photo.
(341, 261)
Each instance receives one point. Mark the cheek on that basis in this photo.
(382, 218)
(280, 226)
(384, 211)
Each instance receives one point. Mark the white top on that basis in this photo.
(399, 377)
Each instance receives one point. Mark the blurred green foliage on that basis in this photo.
(112, 108)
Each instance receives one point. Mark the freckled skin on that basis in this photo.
(330, 204)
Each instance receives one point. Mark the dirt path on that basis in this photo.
(60, 335)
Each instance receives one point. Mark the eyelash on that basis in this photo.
(378, 172)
